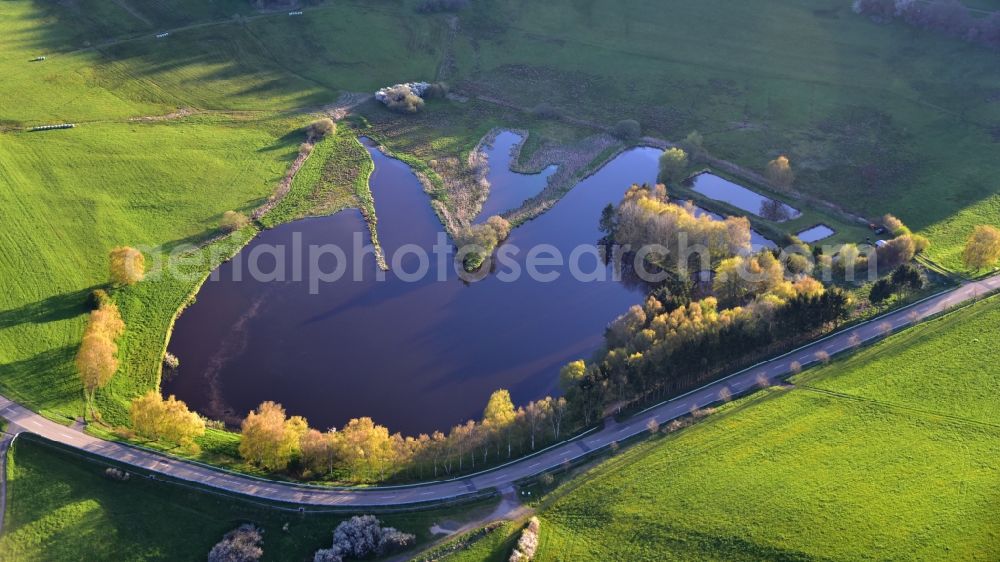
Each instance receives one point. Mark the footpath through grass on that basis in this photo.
(62, 507)
(905, 465)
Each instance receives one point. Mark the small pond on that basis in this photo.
(721, 189)
(509, 190)
(816, 233)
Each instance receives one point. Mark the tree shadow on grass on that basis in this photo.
(45, 381)
(52, 309)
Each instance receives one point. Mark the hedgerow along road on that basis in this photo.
(22, 419)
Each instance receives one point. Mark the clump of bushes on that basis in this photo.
(437, 90)
(903, 247)
(171, 361)
(904, 277)
(475, 243)
(527, 545)
(437, 6)
(627, 130)
(320, 128)
(673, 164)
(363, 537)
(242, 544)
(117, 474)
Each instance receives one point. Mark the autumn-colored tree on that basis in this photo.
(166, 420)
(779, 171)
(319, 450)
(106, 321)
(96, 360)
(96, 364)
(366, 448)
(894, 225)
(673, 164)
(269, 439)
(500, 414)
(982, 250)
(233, 221)
(127, 266)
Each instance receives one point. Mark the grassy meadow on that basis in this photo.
(874, 118)
(889, 454)
(125, 176)
(58, 503)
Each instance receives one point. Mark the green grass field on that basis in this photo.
(900, 463)
(62, 507)
(69, 196)
(874, 118)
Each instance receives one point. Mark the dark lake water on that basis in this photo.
(415, 356)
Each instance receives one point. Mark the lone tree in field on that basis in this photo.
(127, 266)
(233, 221)
(673, 164)
(96, 360)
(779, 171)
(269, 439)
(982, 250)
(320, 128)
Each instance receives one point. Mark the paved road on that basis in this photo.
(23, 419)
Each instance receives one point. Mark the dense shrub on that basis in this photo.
(239, 545)
(437, 90)
(673, 164)
(627, 130)
(320, 128)
(527, 544)
(402, 99)
(363, 537)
